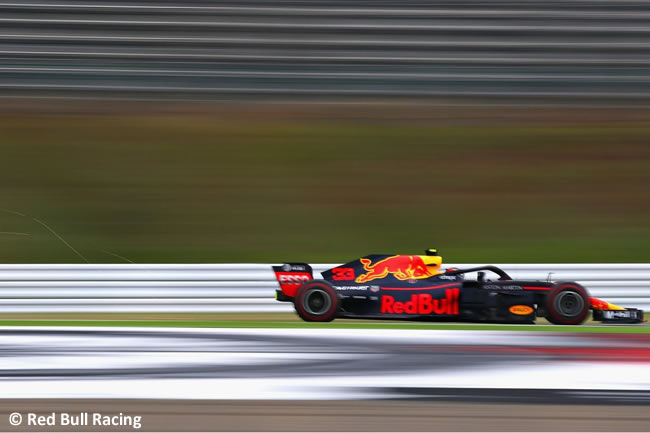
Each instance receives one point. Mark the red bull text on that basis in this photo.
(423, 303)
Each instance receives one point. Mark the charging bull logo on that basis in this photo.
(423, 303)
(401, 267)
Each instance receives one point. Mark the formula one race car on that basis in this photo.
(415, 288)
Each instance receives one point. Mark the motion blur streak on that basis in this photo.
(258, 49)
(312, 364)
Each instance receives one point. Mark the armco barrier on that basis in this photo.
(259, 49)
(241, 287)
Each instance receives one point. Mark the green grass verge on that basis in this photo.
(331, 325)
(211, 188)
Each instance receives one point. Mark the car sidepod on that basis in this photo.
(503, 302)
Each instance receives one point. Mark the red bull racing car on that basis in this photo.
(414, 287)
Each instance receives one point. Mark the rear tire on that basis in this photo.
(567, 304)
(316, 301)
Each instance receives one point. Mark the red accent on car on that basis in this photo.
(421, 288)
(290, 282)
(598, 304)
(342, 274)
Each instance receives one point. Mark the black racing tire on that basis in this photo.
(317, 301)
(567, 304)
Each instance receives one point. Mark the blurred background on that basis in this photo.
(255, 131)
(271, 131)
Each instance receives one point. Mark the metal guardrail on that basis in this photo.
(241, 287)
(259, 49)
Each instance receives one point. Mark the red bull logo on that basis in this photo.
(423, 303)
(401, 267)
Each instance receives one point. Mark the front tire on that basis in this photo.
(567, 304)
(316, 301)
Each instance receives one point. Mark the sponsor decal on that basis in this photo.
(447, 277)
(521, 310)
(290, 282)
(292, 278)
(344, 288)
(401, 267)
(619, 314)
(374, 289)
(499, 287)
(288, 268)
(422, 303)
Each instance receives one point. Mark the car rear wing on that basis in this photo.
(291, 276)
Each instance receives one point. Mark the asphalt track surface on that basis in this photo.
(199, 50)
(304, 364)
(280, 379)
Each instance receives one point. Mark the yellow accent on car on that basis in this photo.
(521, 310)
(433, 263)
